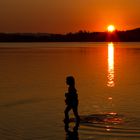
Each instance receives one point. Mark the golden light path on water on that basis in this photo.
(110, 75)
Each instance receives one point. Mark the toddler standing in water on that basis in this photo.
(71, 99)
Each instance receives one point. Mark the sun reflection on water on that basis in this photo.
(110, 75)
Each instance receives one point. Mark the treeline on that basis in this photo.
(81, 36)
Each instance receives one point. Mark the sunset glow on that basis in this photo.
(61, 16)
(111, 28)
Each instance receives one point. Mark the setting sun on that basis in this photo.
(111, 28)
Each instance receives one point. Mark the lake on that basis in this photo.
(32, 88)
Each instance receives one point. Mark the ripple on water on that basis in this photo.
(111, 124)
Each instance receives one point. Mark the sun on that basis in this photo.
(111, 28)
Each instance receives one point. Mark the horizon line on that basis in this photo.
(82, 30)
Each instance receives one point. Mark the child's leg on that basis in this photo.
(68, 108)
(75, 111)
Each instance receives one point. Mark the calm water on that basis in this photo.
(32, 87)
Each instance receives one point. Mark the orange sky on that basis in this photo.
(61, 16)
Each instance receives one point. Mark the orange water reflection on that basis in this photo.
(110, 75)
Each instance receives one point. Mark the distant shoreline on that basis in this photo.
(81, 36)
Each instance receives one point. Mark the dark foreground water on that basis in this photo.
(32, 87)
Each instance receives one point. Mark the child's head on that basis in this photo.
(70, 81)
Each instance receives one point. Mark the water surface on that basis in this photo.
(32, 87)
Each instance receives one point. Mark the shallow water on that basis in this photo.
(32, 87)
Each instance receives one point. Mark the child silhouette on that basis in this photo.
(71, 99)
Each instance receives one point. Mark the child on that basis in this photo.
(71, 99)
